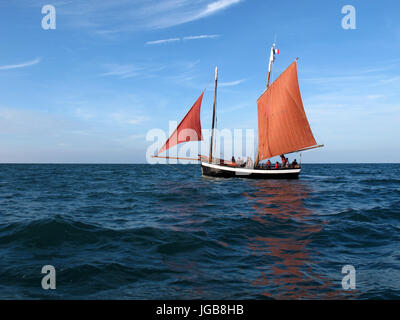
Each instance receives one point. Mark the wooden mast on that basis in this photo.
(213, 117)
(271, 61)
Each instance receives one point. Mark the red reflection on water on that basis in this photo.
(286, 270)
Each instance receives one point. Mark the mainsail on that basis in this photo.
(189, 129)
(282, 123)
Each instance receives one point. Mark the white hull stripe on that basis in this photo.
(249, 171)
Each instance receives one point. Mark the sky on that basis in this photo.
(91, 89)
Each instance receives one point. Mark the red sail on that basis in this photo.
(282, 123)
(189, 129)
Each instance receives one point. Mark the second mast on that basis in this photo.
(213, 117)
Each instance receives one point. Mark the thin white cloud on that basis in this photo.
(125, 118)
(84, 114)
(187, 11)
(122, 71)
(217, 6)
(203, 36)
(375, 96)
(107, 18)
(150, 70)
(137, 120)
(232, 83)
(20, 65)
(162, 41)
(137, 136)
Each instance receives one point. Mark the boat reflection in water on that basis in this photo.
(283, 246)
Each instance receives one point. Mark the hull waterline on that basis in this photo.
(215, 170)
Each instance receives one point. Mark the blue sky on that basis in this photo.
(90, 90)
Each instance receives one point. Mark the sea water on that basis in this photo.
(166, 232)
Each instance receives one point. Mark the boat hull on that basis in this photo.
(215, 170)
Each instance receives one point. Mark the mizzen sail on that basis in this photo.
(189, 129)
(282, 123)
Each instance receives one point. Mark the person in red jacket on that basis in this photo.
(268, 164)
(277, 165)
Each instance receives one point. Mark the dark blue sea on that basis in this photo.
(166, 232)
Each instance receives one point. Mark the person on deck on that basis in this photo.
(277, 165)
(249, 163)
(233, 159)
(287, 164)
(268, 164)
(294, 163)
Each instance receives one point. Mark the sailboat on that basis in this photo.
(283, 128)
